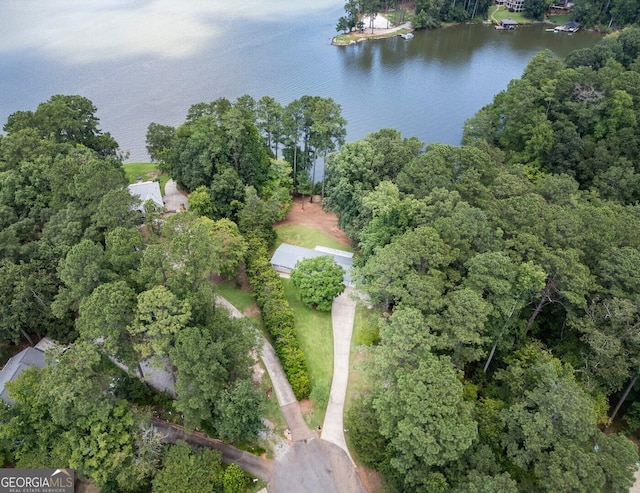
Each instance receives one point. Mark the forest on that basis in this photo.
(431, 14)
(505, 272)
(504, 276)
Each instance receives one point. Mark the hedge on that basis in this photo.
(277, 316)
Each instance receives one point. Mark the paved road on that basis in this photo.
(174, 200)
(343, 313)
(315, 466)
(257, 466)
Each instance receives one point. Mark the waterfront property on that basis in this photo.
(568, 27)
(286, 257)
(147, 190)
(508, 24)
(514, 5)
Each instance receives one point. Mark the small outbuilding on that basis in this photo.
(286, 257)
(508, 24)
(27, 358)
(146, 190)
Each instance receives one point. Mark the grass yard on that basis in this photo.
(400, 16)
(560, 19)
(238, 297)
(364, 332)
(359, 381)
(315, 335)
(500, 12)
(307, 237)
(148, 171)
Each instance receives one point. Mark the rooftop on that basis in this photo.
(26, 358)
(286, 257)
(146, 190)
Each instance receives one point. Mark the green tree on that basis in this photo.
(104, 317)
(82, 270)
(318, 281)
(213, 378)
(159, 140)
(424, 417)
(234, 480)
(229, 247)
(186, 470)
(26, 293)
(270, 114)
(65, 119)
(201, 202)
(158, 318)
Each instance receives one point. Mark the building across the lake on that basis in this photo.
(508, 24)
(286, 257)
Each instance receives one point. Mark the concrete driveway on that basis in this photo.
(343, 312)
(174, 199)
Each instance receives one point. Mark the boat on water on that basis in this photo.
(407, 36)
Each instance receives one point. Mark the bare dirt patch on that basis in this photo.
(371, 480)
(306, 406)
(312, 215)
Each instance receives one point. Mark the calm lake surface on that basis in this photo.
(140, 64)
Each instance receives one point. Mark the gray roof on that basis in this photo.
(287, 256)
(146, 190)
(26, 358)
(509, 22)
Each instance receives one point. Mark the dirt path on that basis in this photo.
(311, 214)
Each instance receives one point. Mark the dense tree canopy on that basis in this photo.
(505, 273)
(76, 265)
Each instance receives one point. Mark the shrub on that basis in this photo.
(277, 316)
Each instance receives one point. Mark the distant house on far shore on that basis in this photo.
(509, 24)
(147, 190)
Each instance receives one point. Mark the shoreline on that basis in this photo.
(354, 37)
(377, 32)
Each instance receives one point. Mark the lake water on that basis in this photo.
(148, 60)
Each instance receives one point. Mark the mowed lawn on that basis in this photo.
(304, 236)
(500, 12)
(315, 335)
(146, 171)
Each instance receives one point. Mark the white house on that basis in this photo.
(147, 190)
(27, 358)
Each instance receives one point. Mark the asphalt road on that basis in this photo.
(315, 466)
(257, 466)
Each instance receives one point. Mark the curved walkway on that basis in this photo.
(313, 465)
(343, 313)
(286, 398)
